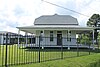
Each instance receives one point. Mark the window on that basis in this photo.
(51, 35)
(69, 36)
(4, 38)
(59, 32)
(41, 35)
(41, 32)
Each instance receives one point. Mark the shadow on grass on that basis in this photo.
(56, 50)
(59, 50)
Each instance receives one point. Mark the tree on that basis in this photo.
(92, 22)
(84, 39)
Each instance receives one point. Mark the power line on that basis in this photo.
(65, 8)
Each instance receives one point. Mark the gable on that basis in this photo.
(56, 20)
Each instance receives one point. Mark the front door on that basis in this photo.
(59, 38)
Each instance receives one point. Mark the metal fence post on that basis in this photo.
(6, 50)
(89, 49)
(98, 44)
(77, 50)
(39, 49)
(62, 51)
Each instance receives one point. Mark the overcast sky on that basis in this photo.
(14, 13)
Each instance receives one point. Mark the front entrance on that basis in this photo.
(59, 38)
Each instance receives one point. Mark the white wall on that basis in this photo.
(1, 39)
(47, 34)
(46, 38)
(73, 38)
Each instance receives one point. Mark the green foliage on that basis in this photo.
(98, 38)
(84, 39)
(93, 20)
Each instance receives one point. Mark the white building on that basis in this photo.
(9, 36)
(59, 30)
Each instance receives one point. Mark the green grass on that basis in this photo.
(83, 61)
(18, 55)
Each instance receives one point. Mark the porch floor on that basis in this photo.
(59, 46)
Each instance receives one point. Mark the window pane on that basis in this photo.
(69, 36)
(41, 35)
(51, 35)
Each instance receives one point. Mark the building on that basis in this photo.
(56, 30)
(9, 36)
(12, 38)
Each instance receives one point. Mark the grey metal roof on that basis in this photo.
(5, 32)
(56, 20)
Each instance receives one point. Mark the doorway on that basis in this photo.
(59, 37)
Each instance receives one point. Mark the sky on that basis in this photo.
(15, 13)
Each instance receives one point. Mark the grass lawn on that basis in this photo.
(83, 61)
(16, 56)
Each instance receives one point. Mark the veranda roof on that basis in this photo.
(33, 28)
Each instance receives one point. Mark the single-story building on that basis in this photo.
(56, 30)
(10, 36)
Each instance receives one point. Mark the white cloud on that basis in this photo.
(89, 10)
(15, 13)
(23, 11)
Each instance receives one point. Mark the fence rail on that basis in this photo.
(32, 49)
